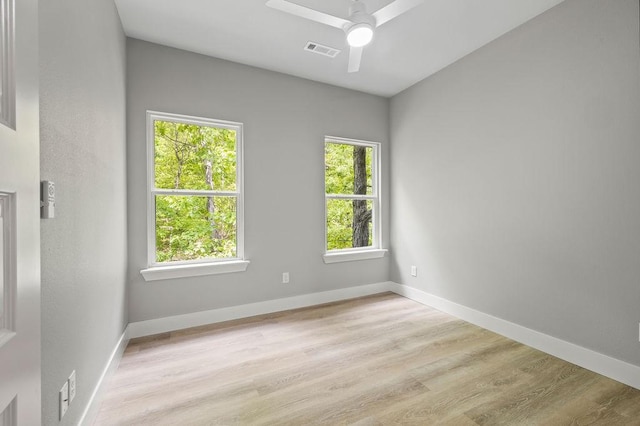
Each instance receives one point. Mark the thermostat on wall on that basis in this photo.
(47, 199)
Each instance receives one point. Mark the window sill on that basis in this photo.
(350, 256)
(194, 270)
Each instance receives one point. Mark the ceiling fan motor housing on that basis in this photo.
(360, 30)
(358, 15)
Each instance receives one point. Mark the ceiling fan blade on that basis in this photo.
(355, 55)
(307, 13)
(394, 9)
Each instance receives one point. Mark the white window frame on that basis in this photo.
(197, 267)
(358, 253)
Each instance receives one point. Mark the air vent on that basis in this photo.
(321, 50)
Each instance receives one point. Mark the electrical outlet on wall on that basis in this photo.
(414, 271)
(64, 399)
(72, 386)
(285, 278)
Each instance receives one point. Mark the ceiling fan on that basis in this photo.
(358, 27)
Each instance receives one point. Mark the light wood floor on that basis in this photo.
(379, 360)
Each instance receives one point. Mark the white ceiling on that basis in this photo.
(403, 52)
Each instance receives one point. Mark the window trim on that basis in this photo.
(194, 270)
(375, 250)
(207, 266)
(350, 255)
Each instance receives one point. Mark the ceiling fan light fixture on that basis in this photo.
(360, 34)
(358, 27)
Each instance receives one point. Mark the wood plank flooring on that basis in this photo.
(379, 360)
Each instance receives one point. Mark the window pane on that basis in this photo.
(343, 231)
(189, 156)
(190, 228)
(348, 169)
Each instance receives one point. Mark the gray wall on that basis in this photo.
(515, 178)
(285, 121)
(84, 253)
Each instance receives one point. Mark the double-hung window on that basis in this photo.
(352, 200)
(195, 204)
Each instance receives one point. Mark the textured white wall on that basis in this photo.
(84, 253)
(515, 178)
(285, 121)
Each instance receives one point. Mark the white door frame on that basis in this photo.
(20, 382)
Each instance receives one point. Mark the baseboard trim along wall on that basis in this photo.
(615, 369)
(195, 319)
(602, 364)
(93, 406)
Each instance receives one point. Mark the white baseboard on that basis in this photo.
(179, 322)
(621, 371)
(602, 364)
(91, 410)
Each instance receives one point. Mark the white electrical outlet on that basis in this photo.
(72, 386)
(285, 278)
(64, 399)
(414, 271)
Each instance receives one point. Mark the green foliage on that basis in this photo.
(194, 157)
(182, 150)
(340, 224)
(185, 231)
(340, 180)
(339, 172)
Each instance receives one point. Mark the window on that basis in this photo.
(352, 200)
(195, 195)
